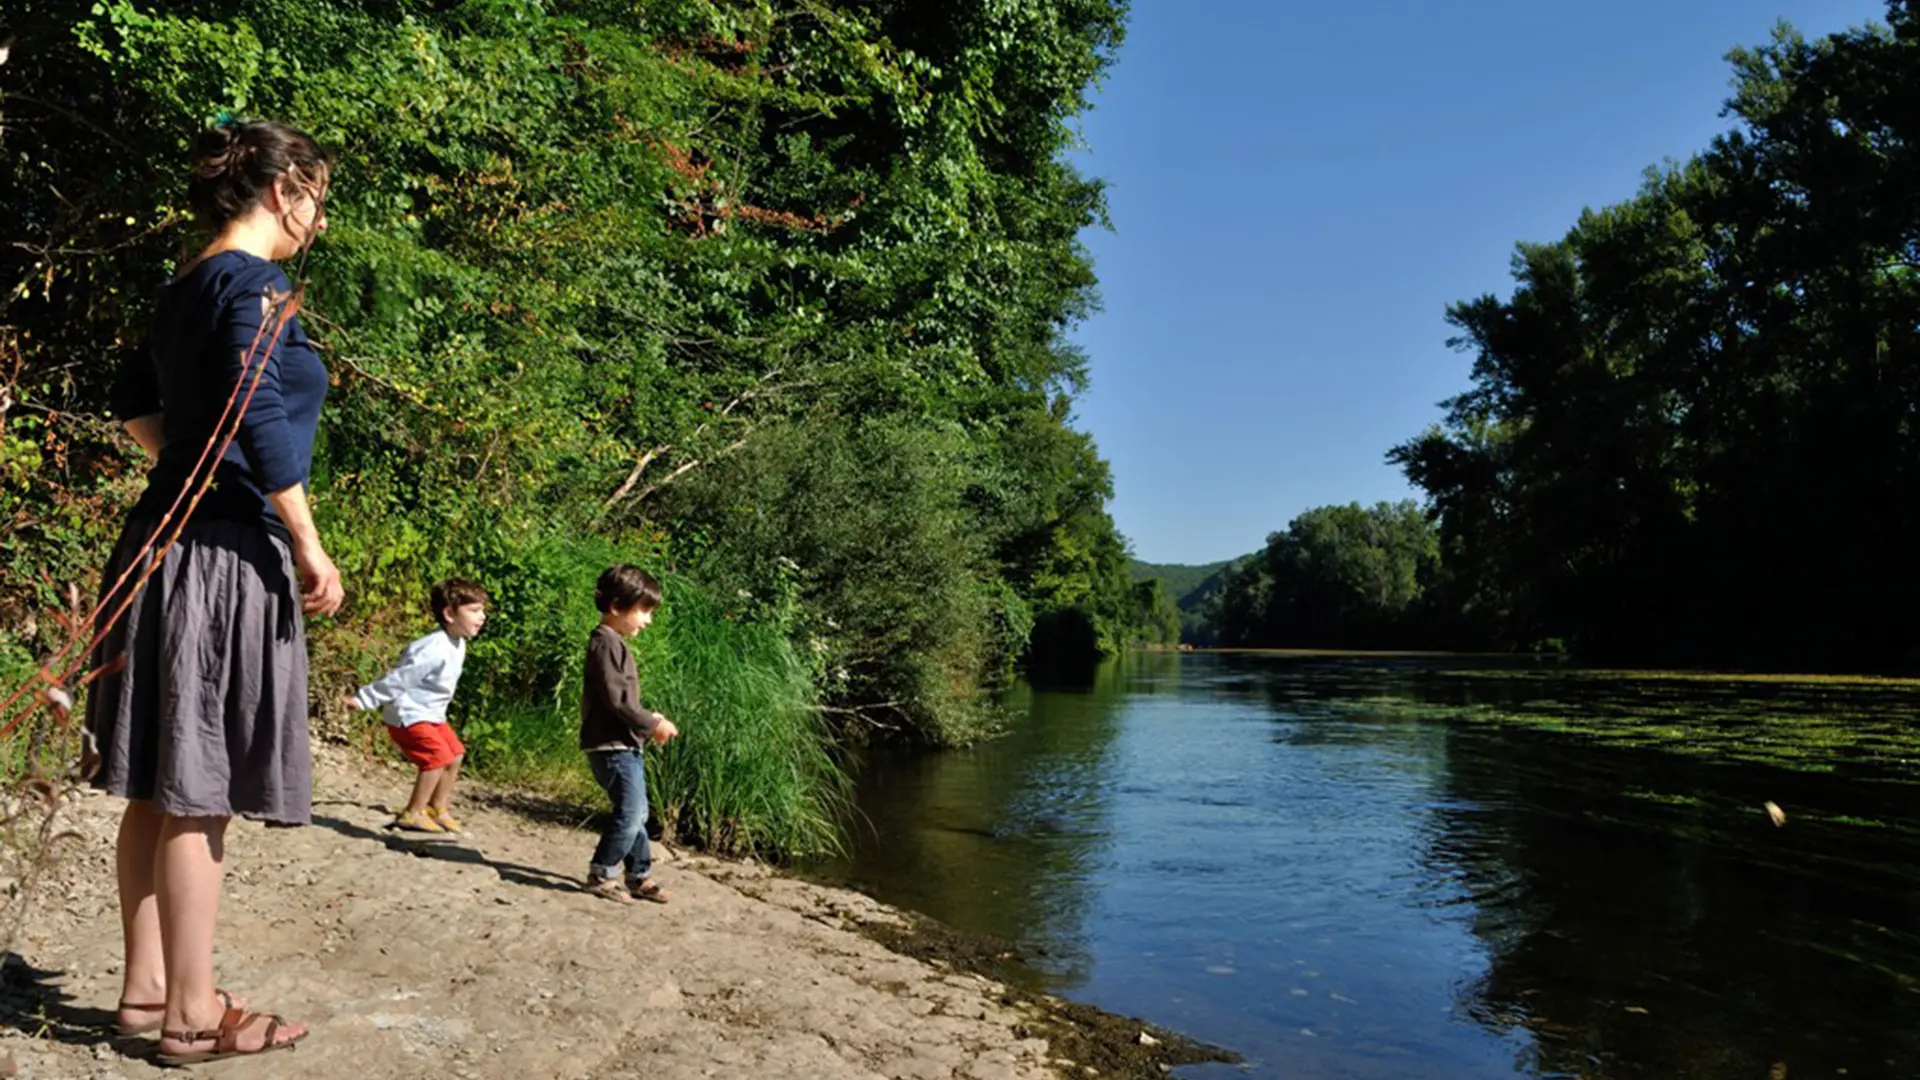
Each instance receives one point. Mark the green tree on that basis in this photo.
(1338, 577)
(795, 259)
(1689, 436)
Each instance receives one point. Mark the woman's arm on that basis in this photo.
(321, 593)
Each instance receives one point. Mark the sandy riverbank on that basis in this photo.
(480, 958)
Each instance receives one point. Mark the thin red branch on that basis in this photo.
(281, 310)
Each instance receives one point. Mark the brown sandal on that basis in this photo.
(227, 1001)
(648, 889)
(226, 1039)
(607, 889)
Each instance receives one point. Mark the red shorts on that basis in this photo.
(430, 746)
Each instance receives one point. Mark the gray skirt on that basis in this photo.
(209, 716)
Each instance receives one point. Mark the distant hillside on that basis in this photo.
(1192, 587)
(1179, 580)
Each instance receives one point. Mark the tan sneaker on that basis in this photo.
(447, 821)
(416, 821)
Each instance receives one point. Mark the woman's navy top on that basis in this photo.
(203, 329)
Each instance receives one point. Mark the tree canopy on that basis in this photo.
(1691, 431)
(776, 293)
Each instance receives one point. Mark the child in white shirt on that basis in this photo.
(414, 696)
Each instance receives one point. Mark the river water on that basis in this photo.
(1366, 868)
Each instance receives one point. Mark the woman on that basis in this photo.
(208, 717)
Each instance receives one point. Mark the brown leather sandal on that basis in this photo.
(607, 889)
(227, 1001)
(226, 1039)
(648, 889)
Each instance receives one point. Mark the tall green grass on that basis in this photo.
(754, 769)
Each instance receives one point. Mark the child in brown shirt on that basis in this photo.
(614, 727)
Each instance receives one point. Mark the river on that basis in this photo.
(1361, 868)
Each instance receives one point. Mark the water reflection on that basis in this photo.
(1360, 870)
(1003, 838)
(1643, 919)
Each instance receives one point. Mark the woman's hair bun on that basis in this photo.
(235, 162)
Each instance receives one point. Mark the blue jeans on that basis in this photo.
(623, 774)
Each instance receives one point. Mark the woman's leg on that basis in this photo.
(187, 880)
(145, 976)
(188, 874)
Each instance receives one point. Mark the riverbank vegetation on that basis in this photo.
(770, 297)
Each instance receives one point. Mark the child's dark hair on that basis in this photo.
(626, 586)
(236, 162)
(455, 593)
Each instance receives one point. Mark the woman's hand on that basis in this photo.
(320, 590)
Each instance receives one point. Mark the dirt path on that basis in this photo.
(482, 959)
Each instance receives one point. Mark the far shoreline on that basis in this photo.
(1563, 665)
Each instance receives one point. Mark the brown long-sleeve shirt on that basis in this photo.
(611, 716)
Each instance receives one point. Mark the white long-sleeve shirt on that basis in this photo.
(419, 688)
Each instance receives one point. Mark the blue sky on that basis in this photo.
(1299, 190)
